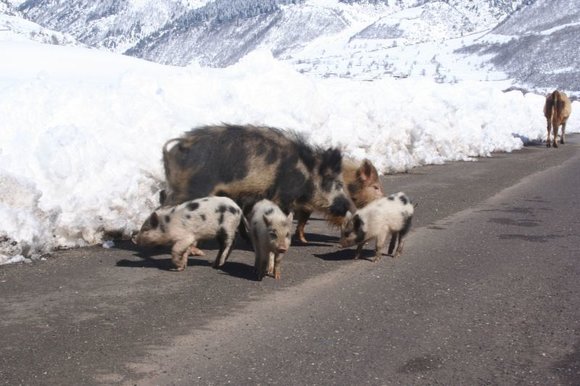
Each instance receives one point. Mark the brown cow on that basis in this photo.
(557, 109)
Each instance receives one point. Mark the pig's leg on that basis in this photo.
(257, 262)
(277, 265)
(380, 245)
(264, 263)
(400, 247)
(302, 217)
(393, 243)
(179, 254)
(271, 264)
(358, 252)
(195, 251)
(262, 258)
(226, 240)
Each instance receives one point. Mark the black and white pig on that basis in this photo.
(386, 216)
(184, 225)
(249, 163)
(362, 185)
(270, 234)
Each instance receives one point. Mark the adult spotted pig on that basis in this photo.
(250, 163)
(363, 186)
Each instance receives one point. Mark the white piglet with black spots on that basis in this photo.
(270, 232)
(386, 216)
(184, 225)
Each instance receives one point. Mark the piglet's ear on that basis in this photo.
(162, 197)
(154, 220)
(357, 223)
(364, 172)
(367, 173)
(290, 217)
(267, 220)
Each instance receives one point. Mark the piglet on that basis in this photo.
(184, 225)
(270, 234)
(386, 216)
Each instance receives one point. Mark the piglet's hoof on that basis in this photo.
(299, 240)
(177, 269)
(194, 251)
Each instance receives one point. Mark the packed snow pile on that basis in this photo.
(82, 130)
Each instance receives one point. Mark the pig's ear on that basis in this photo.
(290, 217)
(162, 197)
(357, 223)
(154, 220)
(367, 173)
(267, 220)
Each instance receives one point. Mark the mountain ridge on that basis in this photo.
(448, 40)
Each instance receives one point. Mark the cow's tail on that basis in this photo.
(557, 107)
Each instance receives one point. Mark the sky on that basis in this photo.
(81, 130)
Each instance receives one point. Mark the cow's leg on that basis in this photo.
(555, 134)
(563, 132)
(548, 141)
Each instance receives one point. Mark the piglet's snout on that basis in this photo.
(281, 249)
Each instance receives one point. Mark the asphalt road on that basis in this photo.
(486, 292)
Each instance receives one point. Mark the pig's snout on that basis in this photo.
(341, 205)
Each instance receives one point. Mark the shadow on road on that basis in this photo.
(240, 270)
(148, 259)
(162, 264)
(347, 254)
(315, 240)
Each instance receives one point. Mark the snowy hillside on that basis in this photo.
(208, 37)
(418, 41)
(223, 31)
(447, 40)
(538, 46)
(13, 27)
(218, 33)
(112, 24)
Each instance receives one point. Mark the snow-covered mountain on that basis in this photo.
(219, 32)
(14, 27)
(112, 24)
(223, 31)
(449, 40)
(538, 46)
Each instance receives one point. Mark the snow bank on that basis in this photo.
(81, 131)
